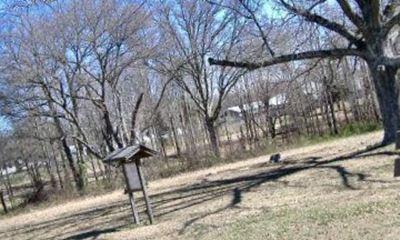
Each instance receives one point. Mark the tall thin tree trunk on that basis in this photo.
(344, 108)
(94, 170)
(57, 169)
(228, 138)
(333, 116)
(77, 177)
(10, 190)
(48, 166)
(175, 137)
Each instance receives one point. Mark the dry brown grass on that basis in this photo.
(310, 195)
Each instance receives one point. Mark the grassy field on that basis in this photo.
(333, 190)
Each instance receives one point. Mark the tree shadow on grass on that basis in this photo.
(93, 234)
(236, 199)
(118, 214)
(247, 183)
(54, 228)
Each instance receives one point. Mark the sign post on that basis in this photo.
(144, 189)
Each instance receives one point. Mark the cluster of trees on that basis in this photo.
(80, 79)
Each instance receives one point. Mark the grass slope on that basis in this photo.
(323, 191)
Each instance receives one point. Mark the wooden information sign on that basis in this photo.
(132, 177)
(130, 159)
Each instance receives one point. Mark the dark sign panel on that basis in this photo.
(132, 177)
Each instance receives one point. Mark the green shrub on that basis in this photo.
(359, 128)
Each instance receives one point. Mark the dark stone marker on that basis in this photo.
(397, 167)
(275, 158)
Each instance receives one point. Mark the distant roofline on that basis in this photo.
(276, 100)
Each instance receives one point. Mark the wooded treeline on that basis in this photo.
(80, 79)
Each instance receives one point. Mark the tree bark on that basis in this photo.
(94, 170)
(175, 136)
(384, 78)
(333, 116)
(77, 177)
(212, 134)
(3, 202)
(8, 183)
(51, 175)
(58, 170)
(134, 118)
(272, 126)
(187, 121)
(64, 145)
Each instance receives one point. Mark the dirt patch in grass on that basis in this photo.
(331, 190)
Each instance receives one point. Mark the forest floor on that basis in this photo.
(333, 190)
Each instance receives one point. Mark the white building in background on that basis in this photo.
(8, 170)
(235, 114)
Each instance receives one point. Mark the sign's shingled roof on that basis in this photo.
(129, 153)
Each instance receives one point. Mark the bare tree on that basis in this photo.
(195, 30)
(76, 63)
(370, 31)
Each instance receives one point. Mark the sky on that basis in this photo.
(5, 125)
(271, 10)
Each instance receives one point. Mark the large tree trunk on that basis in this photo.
(387, 91)
(212, 134)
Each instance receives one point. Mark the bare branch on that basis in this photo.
(334, 53)
(134, 117)
(391, 23)
(354, 18)
(333, 26)
(89, 148)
